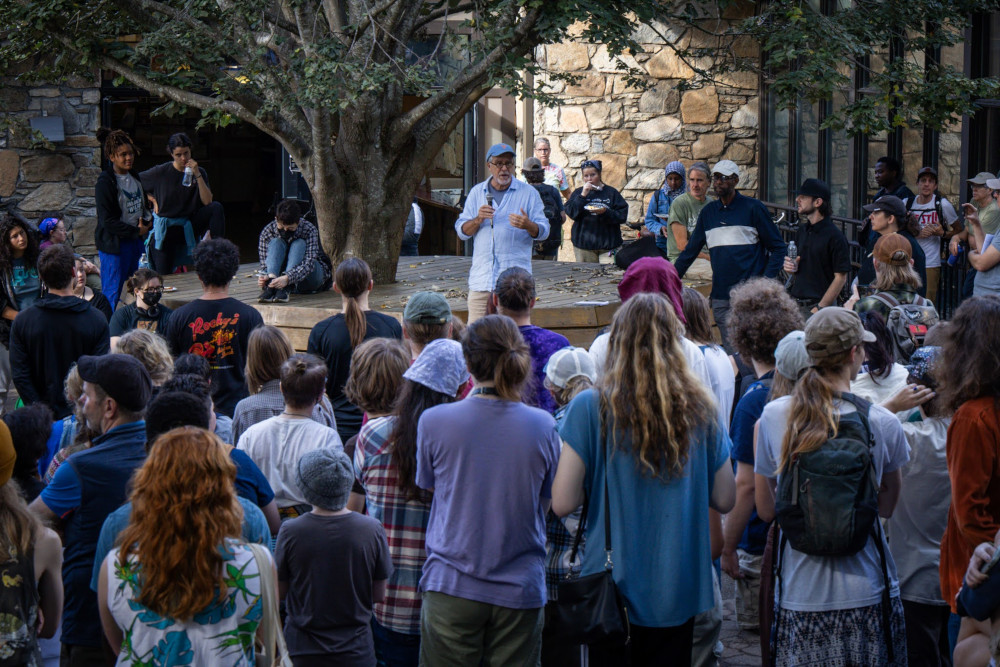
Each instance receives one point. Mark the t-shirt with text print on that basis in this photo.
(217, 329)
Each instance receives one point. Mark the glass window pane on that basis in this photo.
(778, 191)
(807, 133)
(838, 172)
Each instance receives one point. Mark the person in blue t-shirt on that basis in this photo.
(762, 315)
(666, 462)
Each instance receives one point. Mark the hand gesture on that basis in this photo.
(520, 221)
(971, 214)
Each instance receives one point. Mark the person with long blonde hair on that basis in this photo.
(335, 338)
(182, 582)
(833, 609)
(666, 462)
(151, 350)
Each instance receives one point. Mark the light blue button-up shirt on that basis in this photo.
(497, 248)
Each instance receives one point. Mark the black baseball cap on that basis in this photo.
(890, 204)
(927, 171)
(813, 187)
(120, 376)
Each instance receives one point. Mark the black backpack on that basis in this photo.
(908, 323)
(827, 499)
(550, 207)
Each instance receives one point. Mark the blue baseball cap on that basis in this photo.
(498, 149)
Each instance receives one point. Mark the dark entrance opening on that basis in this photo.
(241, 161)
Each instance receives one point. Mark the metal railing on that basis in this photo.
(952, 277)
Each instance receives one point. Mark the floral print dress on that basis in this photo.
(221, 634)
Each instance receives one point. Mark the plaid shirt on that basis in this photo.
(269, 402)
(305, 231)
(405, 523)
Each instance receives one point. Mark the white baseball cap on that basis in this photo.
(726, 168)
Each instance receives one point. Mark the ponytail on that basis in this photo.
(495, 350)
(812, 416)
(352, 278)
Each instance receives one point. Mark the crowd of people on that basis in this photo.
(182, 487)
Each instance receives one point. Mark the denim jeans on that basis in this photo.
(283, 257)
(395, 649)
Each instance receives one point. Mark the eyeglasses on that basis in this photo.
(719, 177)
(153, 290)
(506, 164)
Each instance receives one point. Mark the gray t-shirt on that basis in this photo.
(814, 583)
(129, 198)
(988, 282)
(921, 515)
(330, 564)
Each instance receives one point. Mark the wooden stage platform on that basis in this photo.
(575, 299)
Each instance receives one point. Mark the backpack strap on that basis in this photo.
(887, 299)
(864, 408)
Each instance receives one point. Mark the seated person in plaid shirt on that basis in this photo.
(291, 257)
(385, 462)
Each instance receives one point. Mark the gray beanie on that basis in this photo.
(325, 477)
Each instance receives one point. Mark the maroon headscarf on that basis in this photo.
(656, 275)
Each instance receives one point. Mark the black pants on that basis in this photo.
(210, 218)
(927, 634)
(650, 647)
(74, 655)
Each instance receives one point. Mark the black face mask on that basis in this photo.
(286, 235)
(151, 298)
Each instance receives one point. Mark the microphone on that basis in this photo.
(489, 202)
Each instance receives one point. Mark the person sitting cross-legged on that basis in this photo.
(291, 257)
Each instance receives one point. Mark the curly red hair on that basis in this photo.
(184, 505)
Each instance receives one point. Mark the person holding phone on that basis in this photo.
(983, 257)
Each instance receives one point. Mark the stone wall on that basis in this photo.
(636, 133)
(37, 181)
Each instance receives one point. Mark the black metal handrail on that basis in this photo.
(952, 277)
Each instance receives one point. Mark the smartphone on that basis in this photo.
(991, 562)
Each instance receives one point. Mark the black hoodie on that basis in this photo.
(46, 339)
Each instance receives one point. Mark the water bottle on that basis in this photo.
(144, 262)
(791, 253)
(188, 177)
(954, 259)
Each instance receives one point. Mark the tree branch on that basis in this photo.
(443, 11)
(518, 44)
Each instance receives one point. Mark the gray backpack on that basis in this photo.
(908, 323)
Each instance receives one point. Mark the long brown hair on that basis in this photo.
(267, 348)
(648, 389)
(495, 350)
(183, 507)
(18, 525)
(698, 316)
(353, 278)
(414, 399)
(812, 415)
(970, 360)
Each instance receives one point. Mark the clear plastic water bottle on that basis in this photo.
(791, 252)
(144, 262)
(188, 177)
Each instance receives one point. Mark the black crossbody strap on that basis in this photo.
(886, 596)
(608, 564)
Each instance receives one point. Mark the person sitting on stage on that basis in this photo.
(291, 257)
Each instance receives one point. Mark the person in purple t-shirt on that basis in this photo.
(490, 461)
(514, 297)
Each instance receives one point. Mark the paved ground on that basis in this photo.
(741, 647)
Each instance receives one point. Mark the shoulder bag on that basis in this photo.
(591, 609)
(271, 651)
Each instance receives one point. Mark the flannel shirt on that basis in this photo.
(305, 231)
(405, 523)
(269, 402)
(559, 536)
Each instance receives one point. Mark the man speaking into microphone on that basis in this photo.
(503, 232)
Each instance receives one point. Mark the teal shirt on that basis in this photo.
(26, 284)
(659, 529)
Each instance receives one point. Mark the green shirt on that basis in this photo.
(684, 211)
(989, 217)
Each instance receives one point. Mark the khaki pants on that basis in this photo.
(933, 279)
(476, 304)
(460, 632)
(748, 591)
